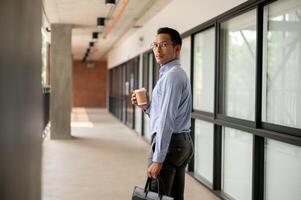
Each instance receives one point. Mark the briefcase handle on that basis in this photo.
(148, 185)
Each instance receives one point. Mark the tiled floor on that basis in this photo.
(104, 161)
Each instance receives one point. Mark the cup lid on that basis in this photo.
(140, 90)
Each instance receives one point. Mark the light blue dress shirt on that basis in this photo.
(170, 107)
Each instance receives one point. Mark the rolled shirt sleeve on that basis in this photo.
(147, 111)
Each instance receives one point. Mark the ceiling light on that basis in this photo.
(110, 2)
(48, 29)
(94, 36)
(100, 21)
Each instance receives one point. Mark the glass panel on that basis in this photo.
(138, 114)
(150, 75)
(185, 55)
(238, 62)
(282, 171)
(281, 102)
(129, 88)
(146, 120)
(147, 133)
(138, 120)
(203, 80)
(44, 57)
(203, 163)
(124, 94)
(237, 164)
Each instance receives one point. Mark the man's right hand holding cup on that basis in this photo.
(140, 98)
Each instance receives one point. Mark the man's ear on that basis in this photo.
(178, 49)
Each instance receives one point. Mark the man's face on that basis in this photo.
(164, 49)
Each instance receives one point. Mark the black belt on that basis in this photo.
(181, 133)
(184, 135)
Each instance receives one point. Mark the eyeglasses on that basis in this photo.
(162, 45)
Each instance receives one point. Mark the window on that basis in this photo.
(238, 50)
(203, 80)
(237, 164)
(281, 102)
(150, 74)
(203, 163)
(282, 171)
(138, 79)
(185, 56)
(147, 132)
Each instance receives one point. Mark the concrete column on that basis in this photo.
(21, 102)
(61, 81)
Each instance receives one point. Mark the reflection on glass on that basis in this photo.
(237, 164)
(147, 133)
(238, 62)
(203, 80)
(203, 163)
(138, 120)
(185, 55)
(282, 171)
(282, 63)
(44, 58)
(150, 74)
(138, 114)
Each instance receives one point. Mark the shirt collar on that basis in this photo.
(165, 68)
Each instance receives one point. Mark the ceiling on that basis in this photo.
(83, 14)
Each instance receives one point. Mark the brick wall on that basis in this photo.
(89, 84)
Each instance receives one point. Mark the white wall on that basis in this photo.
(179, 14)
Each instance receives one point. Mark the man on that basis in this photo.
(170, 115)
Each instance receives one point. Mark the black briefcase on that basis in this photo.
(145, 194)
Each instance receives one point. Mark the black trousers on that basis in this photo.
(172, 174)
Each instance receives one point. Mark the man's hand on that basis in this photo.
(154, 170)
(134, 101)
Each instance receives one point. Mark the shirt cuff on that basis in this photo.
(158, 157)
(147, 111)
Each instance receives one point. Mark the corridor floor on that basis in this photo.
(104, 161)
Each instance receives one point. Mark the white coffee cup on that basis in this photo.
(141, 96)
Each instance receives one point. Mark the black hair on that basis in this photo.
(174, 35)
